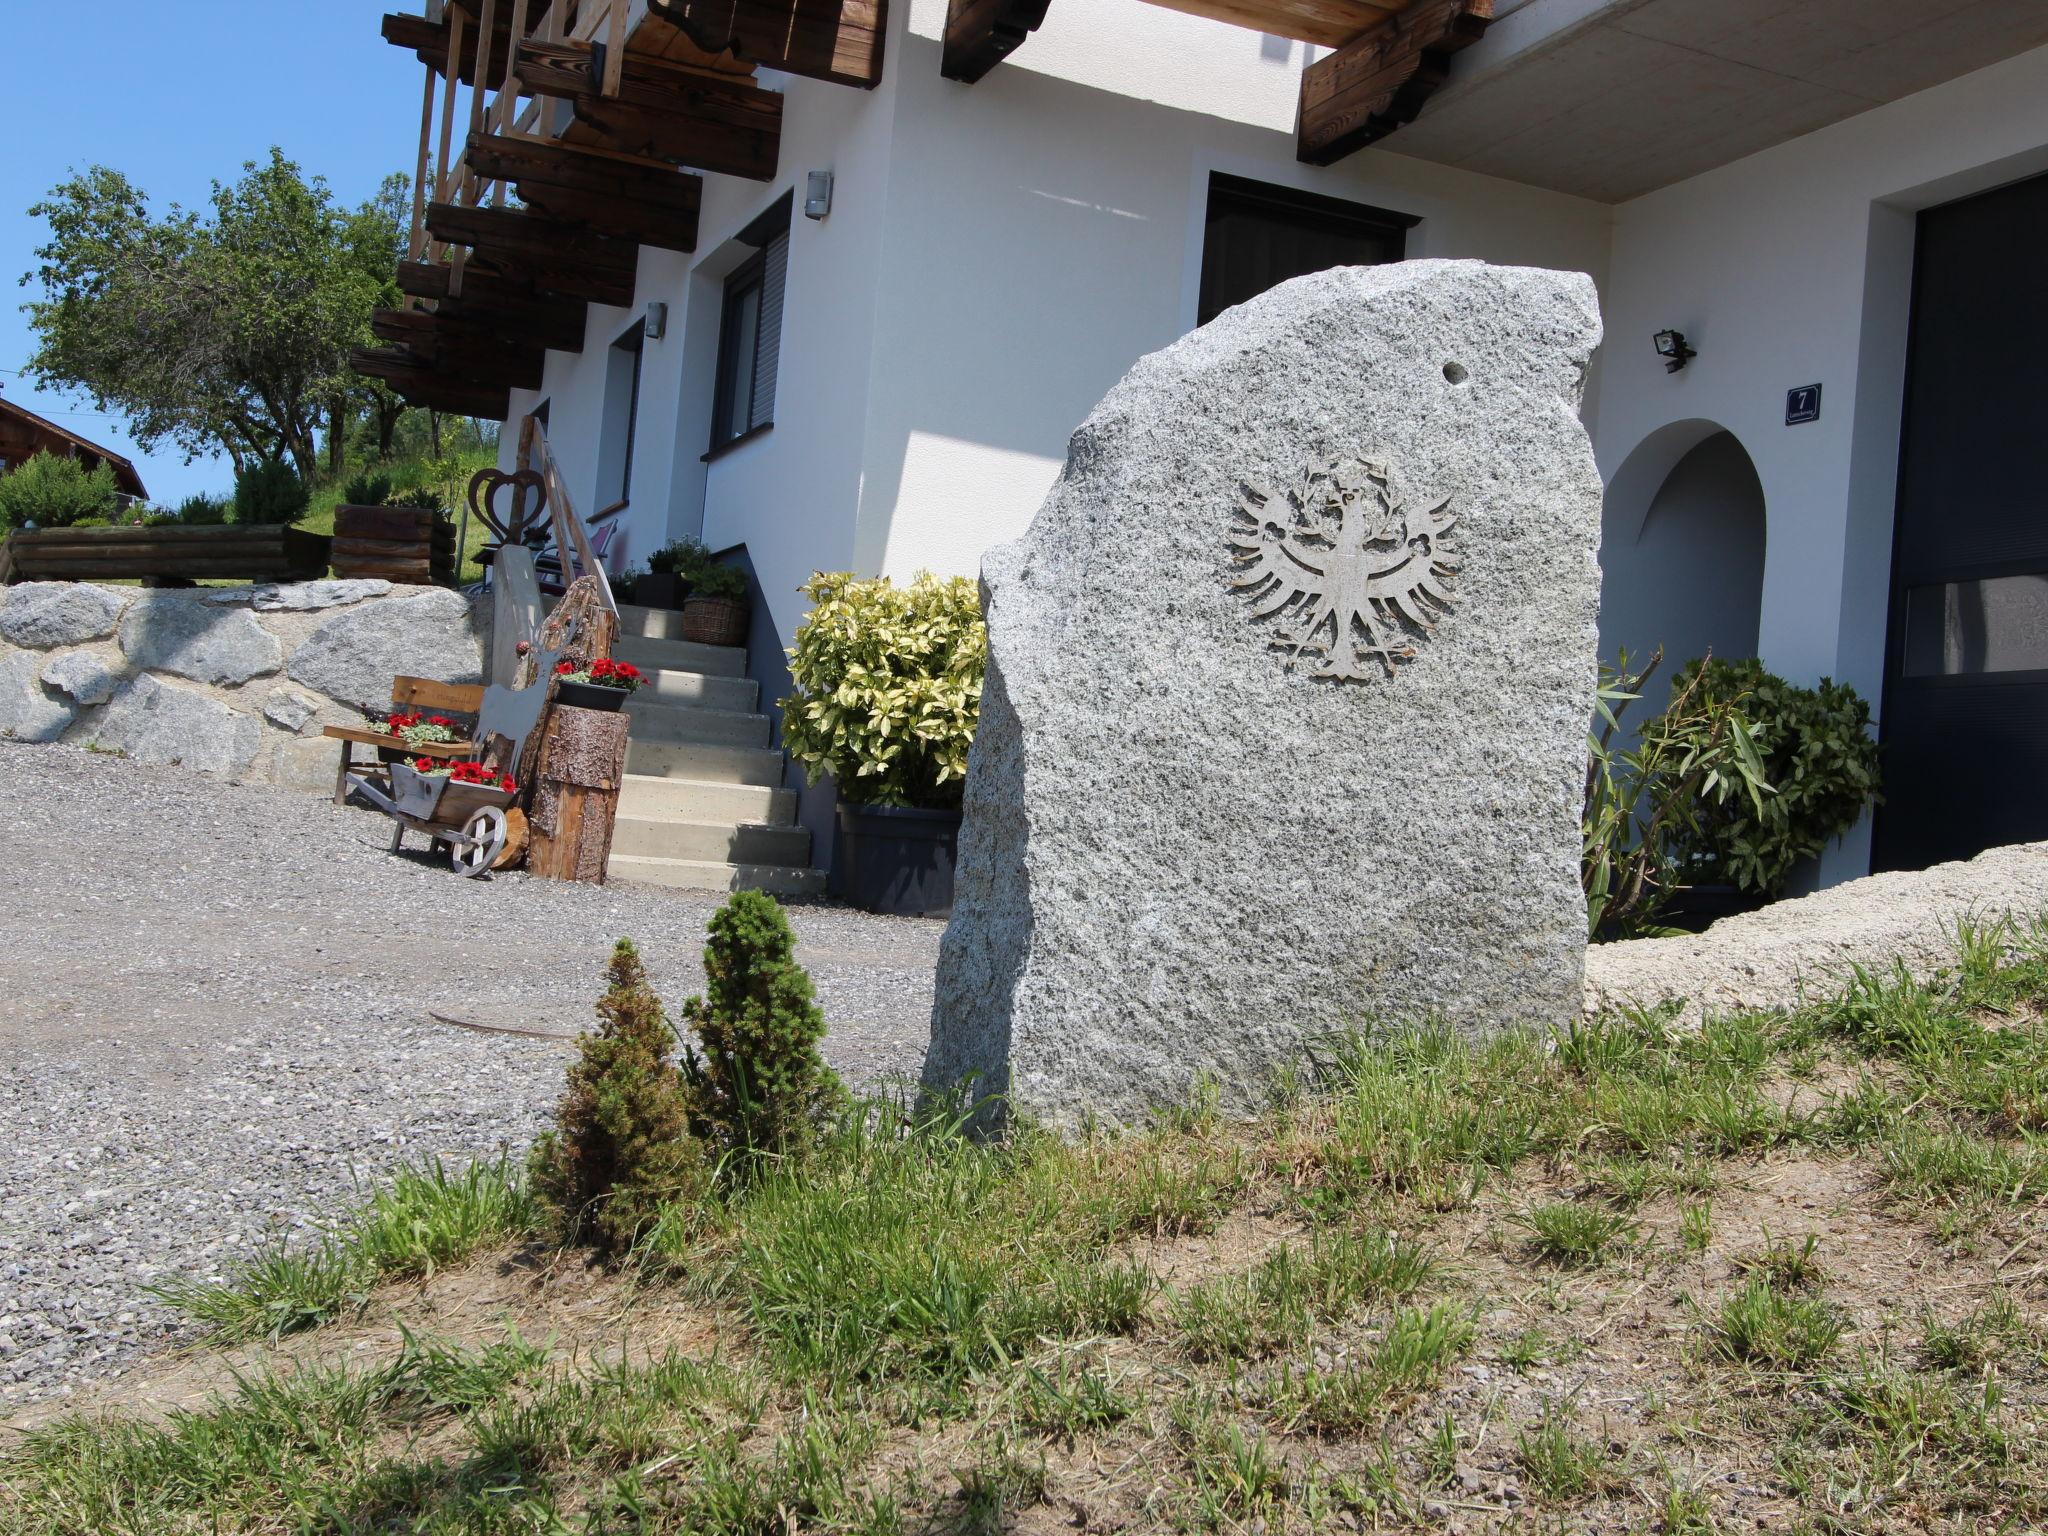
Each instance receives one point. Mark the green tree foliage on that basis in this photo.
(54, 492)
(888, 687)
(761, 1084)
(226, 331)
(622, 1148)
(269, 491)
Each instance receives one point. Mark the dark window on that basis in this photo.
(627, 354)
(1259, 235)
(750, 336)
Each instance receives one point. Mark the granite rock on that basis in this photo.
(157, 722)
(45, 614)
(354, 655)
(30, 711)
(1289, 680)
(180, 633)
(290, 711)
(308, 596)
(83, 675)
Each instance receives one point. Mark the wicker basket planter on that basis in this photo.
(715, 620)
(403, 544)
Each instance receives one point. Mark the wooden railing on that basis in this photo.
(571, 537)
(441, 169)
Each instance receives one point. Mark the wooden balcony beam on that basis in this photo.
(549, 254)
(722, 123)
(436, 392)
(649, 203)
(1381, 78)
(428, 40)
(463, 345)
(835, 40)
(980, 34)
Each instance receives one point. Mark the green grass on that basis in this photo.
(1205, 1326)
(425, 1218)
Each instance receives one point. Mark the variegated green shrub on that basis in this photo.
(888, 687)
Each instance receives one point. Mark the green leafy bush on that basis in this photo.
(366, 491)
(888, 687)
(204, 511)
(721, 581)
(684, 557)
(622, 1148)
(268, 492)
(1818, 756)
(424, 498)
(761, 1084)
(54, 492)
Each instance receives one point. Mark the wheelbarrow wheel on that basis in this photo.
(483, 840)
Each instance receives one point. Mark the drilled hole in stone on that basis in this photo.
(1457, 373)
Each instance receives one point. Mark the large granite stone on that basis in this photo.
(84, 675)
(46, 614)
(28, 710)
(1289, 680)
(180, 633)
(157, 722)
(308, 596)
(353, 656)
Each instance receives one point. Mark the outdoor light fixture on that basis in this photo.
(1672, 348)
(656, 324)
(818, 195)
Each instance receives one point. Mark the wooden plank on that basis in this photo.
(515, 309)
(712, 122)
(629, 207)
(1326, 23)
(438, 697)
(547, 253)
(980, 34)
(428, 41)
(836, 40)
(1380, 80)
(445, 345)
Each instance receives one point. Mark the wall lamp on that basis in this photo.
(818, 194)
(656, 324)
(1672, 348)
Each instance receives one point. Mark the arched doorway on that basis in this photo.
(1682, 553)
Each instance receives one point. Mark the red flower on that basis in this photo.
(563, 669)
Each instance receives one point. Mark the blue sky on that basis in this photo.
(178, 96)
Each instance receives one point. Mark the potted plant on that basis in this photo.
(888, 695)
(666, 581)
(601, 684)
(716, 611)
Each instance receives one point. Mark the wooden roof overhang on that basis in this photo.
(1389, 55)
(602, 116)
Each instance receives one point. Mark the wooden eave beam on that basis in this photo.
(547, 253)
(835, 40)
(649, 204)
(428, 41)
(722, 123)
(1381, 78)
(424, 387)
(462, 345)
(980, 34)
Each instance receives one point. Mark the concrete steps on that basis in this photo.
(702, 806)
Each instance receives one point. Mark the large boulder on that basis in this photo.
(179, 632)
(30, 711)
(84, 675)
(1284, 727)
(354, 655)
(45, 614)
(157, 722)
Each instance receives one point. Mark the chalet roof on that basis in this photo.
(19, 425)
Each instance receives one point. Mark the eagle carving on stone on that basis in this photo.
(1347, 575)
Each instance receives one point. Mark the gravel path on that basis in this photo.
(214, 1009)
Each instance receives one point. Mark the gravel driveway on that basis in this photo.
(214, 1008)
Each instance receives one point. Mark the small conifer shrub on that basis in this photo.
(622, 1148)
(761, 1084)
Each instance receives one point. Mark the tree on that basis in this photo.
(229, 331)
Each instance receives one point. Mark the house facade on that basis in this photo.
(873, 352)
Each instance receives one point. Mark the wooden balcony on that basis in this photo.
(557, 137)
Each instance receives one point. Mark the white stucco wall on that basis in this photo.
(1794, 267)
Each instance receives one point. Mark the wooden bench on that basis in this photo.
(421, 693)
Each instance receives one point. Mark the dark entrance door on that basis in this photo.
(1966, 689)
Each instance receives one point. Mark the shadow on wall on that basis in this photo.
(1682, 553)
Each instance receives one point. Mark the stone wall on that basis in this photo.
(234, 681)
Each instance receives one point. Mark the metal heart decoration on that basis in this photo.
(484, 486)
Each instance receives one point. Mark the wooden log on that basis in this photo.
(836, 40)
(980, 34)
(1380, 79)
(582, 763)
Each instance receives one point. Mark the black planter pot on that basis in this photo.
(659, 589)
(897, 861)
(590, 696)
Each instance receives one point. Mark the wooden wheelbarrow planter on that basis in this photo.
(468, 819)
